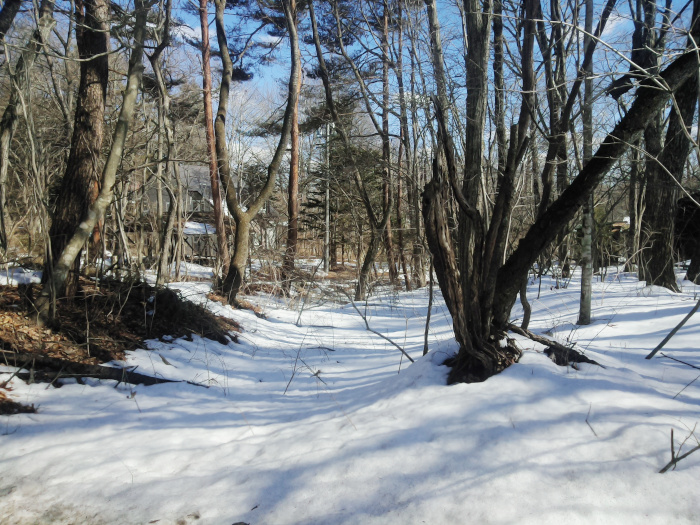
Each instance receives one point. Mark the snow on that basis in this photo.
(198, 228)
(312, 419)
(14, 275)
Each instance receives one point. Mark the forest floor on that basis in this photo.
(304, 416)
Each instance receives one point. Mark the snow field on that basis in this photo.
(353, 440)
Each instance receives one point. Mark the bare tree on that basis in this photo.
(242, 218)
(584, 317)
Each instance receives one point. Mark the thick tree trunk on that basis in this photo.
(236, 272)
(80, 185)
(65, 260)
(487, 287)
(693, 273)
(663, 183)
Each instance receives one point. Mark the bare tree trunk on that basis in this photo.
(386, 146)
(404, 150)
(327, 205)
(584, 317)
(414, 178)
(663, 197)
(488, 286)
(399, 220)
(65, 259)
(222, 244)
(293, 186)
(80, 185)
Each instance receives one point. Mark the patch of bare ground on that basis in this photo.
(102, 322)
(9, 407)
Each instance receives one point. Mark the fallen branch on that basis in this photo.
(674, 458)
(674, 331)
(70, 369)
(557, 352)
(364, 318)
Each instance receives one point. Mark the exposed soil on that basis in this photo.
(9, 407)
(103, 321)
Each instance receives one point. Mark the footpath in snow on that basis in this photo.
(312, 419)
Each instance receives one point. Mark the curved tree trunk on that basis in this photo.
(234, 278)
(80, 185)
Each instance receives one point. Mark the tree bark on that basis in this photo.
(293, 185)
(66, 259)
(664, 182)
(584, 317)
(648, 102)
(80, 185)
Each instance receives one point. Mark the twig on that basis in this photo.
(675, 459)
(364, 318)
(679, 361)
(587, 423)
(674, 331)
(24, 366)
(306, 294)
(686, 386)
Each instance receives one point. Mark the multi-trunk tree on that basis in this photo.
(479, 279)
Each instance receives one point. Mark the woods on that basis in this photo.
(490, 140)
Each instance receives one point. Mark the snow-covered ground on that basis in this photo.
(312, 419)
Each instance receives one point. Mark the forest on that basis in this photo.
(261, 212)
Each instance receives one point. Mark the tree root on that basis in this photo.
(489, 360)
(557, 352)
